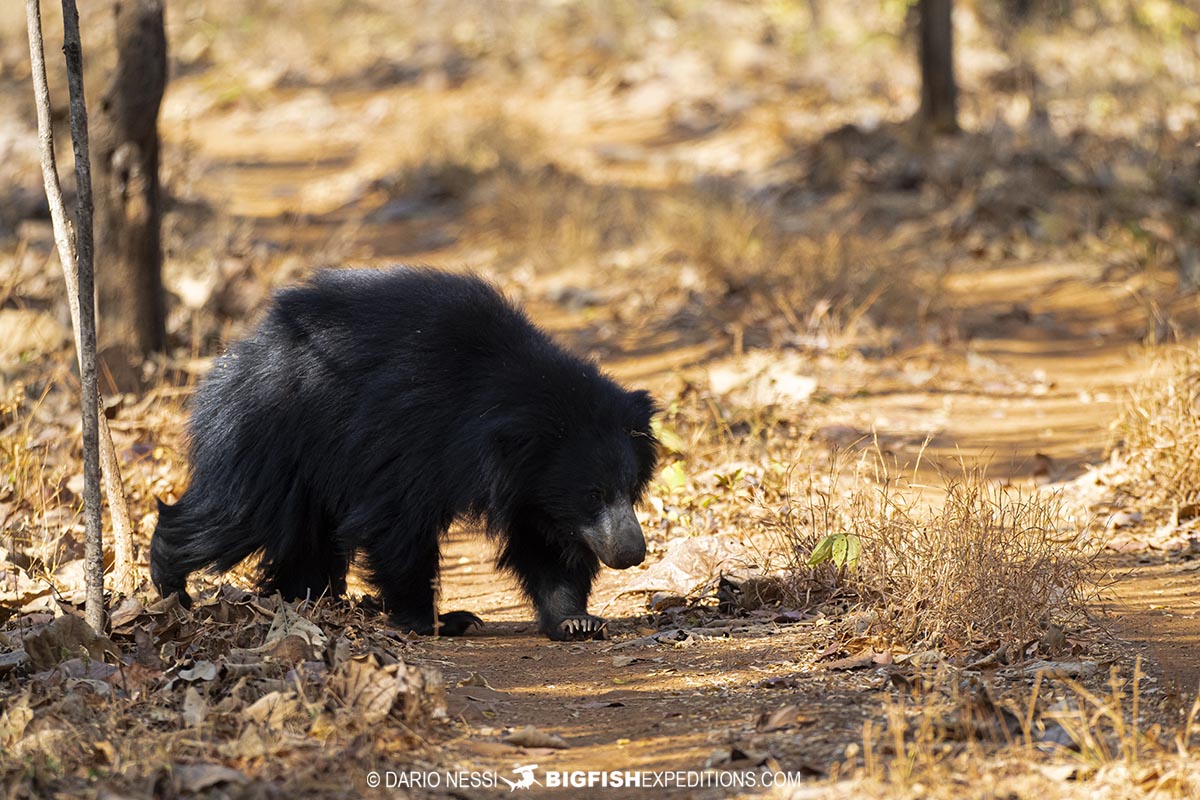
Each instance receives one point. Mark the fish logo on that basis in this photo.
(525, 779)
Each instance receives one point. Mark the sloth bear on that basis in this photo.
(373, 407)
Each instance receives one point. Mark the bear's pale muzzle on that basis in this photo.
(616, 537)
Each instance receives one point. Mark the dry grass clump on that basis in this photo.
(745, 245)
(1158, 433)
(548, 218)
(33, 481)
(990, 564)
(984, 565)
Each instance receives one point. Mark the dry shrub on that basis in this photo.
(450, 152)
(1158, 432)
(548, 218)
(732, 240)
(990, 564)
(984, 564)
(741, 244)
(714, 242)
(33, 475)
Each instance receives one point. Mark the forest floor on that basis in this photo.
(723, 203)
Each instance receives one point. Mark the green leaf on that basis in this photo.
(853, 550)
(823, 551)
(731, 480)
(668, 438)
(841, 548)
(673, 477)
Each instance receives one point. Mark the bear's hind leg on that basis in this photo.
(307, 561)
(187, 538)
(306, 574)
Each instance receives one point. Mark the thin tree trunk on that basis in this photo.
(94, 550)
(129, 251)
(118, 509)
(939, 94)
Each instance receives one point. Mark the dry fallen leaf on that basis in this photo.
(530, 736)
(782, 718)
(273, 709)
(200, 671)
(197, 777)
(340, 652)
(366, 689)
(16, 587)
(250, 744)
(475, 679)
(128, 611)
(288, 650)
(47, 742)
(195, 708)
(11, 661)
(866, 658)
(14, 721)
(289, 623)
(65, 638)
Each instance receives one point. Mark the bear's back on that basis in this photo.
(358, 316)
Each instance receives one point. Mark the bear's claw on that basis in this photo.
(580, 628)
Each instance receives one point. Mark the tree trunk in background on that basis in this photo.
(939, 95)
(125, 161)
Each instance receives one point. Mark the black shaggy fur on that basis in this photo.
(372, 408)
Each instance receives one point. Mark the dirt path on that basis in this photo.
(621, 706)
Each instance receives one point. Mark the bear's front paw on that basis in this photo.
(578, 627)
(457, 623)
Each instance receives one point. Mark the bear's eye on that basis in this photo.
(595, 498)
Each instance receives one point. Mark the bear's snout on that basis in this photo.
(616, 537)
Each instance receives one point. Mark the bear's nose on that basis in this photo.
(616, 538)
(629, 558)
(631, 550)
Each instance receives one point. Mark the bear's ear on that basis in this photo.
(642, 407)
(645, 444)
